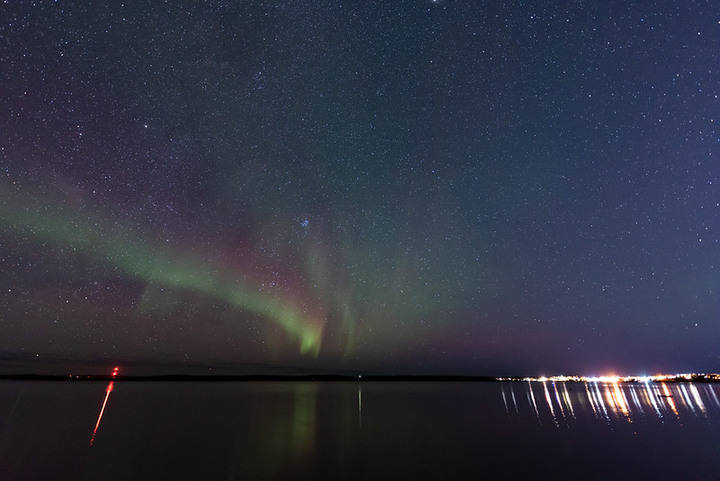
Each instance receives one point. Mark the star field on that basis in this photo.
(423, 187)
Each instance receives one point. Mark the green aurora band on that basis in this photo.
(26, 216)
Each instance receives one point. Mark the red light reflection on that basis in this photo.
(108, 390)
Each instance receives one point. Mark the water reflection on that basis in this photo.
(108, 390)
(359, 431)
(360, 405)
(561, 402)
(284, 424)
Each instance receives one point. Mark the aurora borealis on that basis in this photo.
(399, 187)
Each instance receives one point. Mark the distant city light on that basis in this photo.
(618, 379)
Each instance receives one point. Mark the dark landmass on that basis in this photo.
(246, 378)
(321, 378)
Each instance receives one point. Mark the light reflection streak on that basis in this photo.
(613, 400)
(618, 401)
(108, 390)
(550, 405)
(592, 404)
(668, 398)
(512, 393)
(599, 400)
(715, 398)
(686, 397)
(557, 398)
(631, 398)
(635, 399)
(568, 400)
(532, 398)
(507, 411)
(649, 396)
(697, 399)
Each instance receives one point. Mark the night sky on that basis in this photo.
(456, 187)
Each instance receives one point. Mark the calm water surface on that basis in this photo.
(354, 430)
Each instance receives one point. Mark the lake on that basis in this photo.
(357, 430)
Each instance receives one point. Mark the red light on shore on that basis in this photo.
(115, 372)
